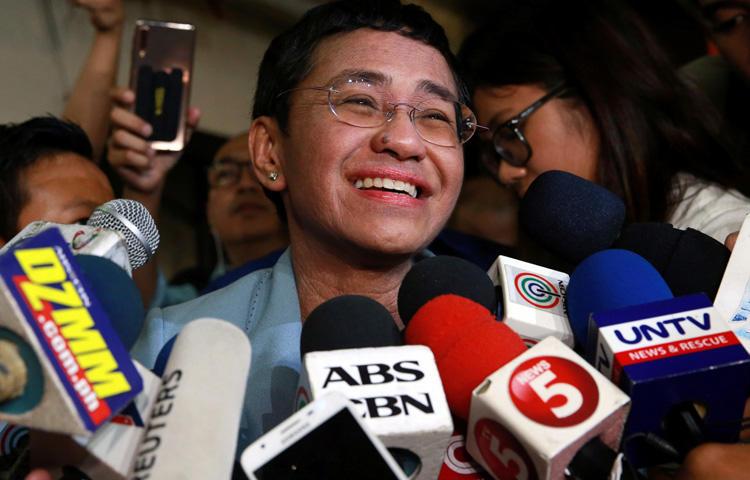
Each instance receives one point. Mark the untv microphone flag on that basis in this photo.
(79, 375)
(668, 353)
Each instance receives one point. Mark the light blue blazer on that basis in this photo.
(265, 305)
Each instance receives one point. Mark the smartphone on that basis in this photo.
(160, 75)
(324, 440)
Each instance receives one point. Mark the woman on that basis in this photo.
(581, 86)
(358, 131)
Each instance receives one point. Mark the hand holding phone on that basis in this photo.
(142, 169)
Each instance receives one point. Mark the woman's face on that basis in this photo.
(333, 172)
(561, 135)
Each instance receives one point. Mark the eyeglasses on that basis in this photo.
(226, 173)
(724, 17)
(508, 140)
(360, 103)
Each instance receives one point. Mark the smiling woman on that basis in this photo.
(358, 125)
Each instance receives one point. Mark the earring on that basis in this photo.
(273, 176)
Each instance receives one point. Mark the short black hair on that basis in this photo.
(21, 146)
(288, 59)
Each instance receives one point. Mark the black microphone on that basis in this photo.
(571, 216)
(688, 260)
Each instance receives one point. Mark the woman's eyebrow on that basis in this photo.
(428, 86)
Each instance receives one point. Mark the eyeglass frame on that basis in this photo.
(240, 168)
(514, 125)
(390, 114)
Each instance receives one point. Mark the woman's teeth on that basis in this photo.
(388, 184)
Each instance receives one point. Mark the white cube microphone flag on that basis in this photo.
(533, 300)
(397, 390)
(531, 417)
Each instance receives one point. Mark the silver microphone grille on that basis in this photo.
(133, 221)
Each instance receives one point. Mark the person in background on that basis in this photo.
(725, 78)
(248, 231)
(89, 102)
(582, 87)
(47, 172)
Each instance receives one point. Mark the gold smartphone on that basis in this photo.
(160, 75)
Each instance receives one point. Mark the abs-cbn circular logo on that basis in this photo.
(457, 463)
(537, 290)
(503, 455)
(554, 391)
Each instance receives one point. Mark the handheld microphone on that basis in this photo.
(73, 372)
(533, 300)
(133, 221)
(685, 370)
(206, 375)
(688, 260)
(608, 280)
(120, 230)
(109, 453)
(570, 216)
(118, 294)
(544, 410)
(469, 345)
(733, 298)
(351, 345)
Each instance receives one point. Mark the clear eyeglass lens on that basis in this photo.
(509, 146)
(361, 104)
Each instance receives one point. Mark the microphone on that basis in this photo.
(109, 453)
(443, 274)
(685, 370)
(133, 221)
(570, 216)
(733, 298)
(688, 260)
(607, 280)
(65, 368)
(120, 230)
(118, 294)
(469, 345)
(533, 300)
(206, 375)
(351, 345)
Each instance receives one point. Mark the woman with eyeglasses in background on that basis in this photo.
(580, 86)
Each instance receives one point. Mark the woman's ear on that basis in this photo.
(265, 153)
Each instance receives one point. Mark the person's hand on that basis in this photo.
(39, 474)
(716, 460)
(731, 240)
(140, 167)
(106, 15)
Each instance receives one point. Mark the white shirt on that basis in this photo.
(707, 207)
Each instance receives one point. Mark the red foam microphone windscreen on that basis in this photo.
(468, 342)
